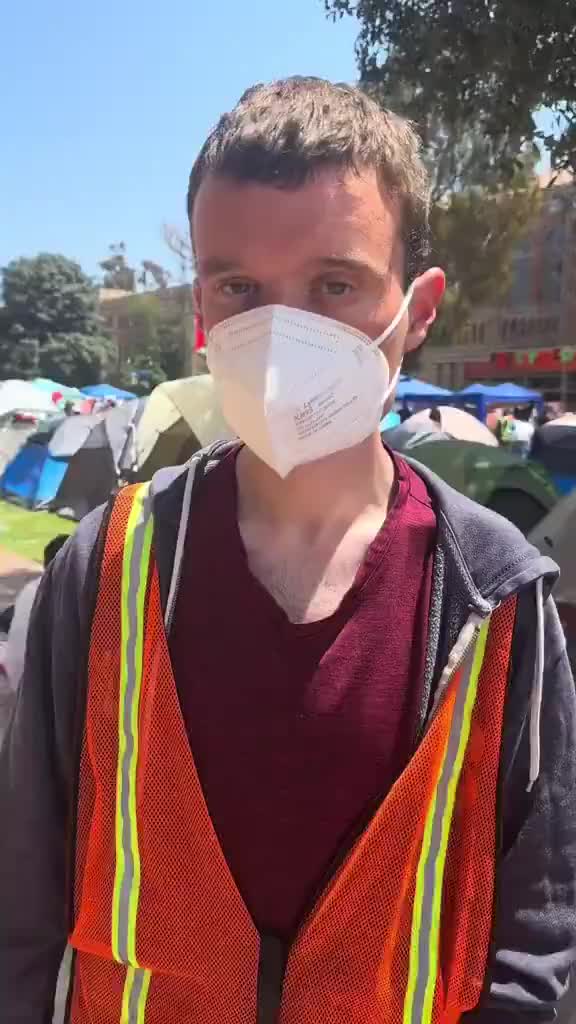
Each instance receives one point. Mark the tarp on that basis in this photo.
(180, 417)
(521, 491)
(411, 390)
(22, 394)
(105, 391)
(453, 423)
(483, 395)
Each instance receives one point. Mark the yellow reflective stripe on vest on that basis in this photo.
(135, 565)
(425, 936)
(135, 995)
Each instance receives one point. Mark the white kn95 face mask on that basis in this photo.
(297, 386)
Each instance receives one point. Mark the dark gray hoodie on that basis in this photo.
(480, 560)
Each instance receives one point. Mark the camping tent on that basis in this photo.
(33, 477)
(105, 455)
(411, 391)
(519, 490)
(14, 432)
(22, 394)
(105, 391)
(554, 446)
(35, 474)
(480, 396)
(452, 423)
(554, 536)
(180, 417)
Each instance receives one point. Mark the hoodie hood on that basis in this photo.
(492, 557)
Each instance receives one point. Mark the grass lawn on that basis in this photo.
(26, 533)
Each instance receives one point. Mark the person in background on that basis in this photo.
(524, 430)
(295, 738)
(15, 649)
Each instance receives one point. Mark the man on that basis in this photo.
(524, 430)
(306, 751)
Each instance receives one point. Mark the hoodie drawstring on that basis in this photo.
(537, 689)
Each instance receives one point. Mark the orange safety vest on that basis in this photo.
(400, 934)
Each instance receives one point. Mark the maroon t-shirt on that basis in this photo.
(297, 730)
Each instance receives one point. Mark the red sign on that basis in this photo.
(508, 364)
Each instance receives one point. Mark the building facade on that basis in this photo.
(119, 310)
(530, 337)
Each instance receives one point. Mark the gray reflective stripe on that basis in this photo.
(135, 995)
(127, 857)
(433, 868)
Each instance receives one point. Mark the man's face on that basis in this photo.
(332, 246)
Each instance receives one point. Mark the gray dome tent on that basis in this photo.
(105, 456)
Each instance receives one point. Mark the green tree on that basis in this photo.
(488, 64)
(76, 359)
(118, 273)
(49, 322)
(157, 353)
(474, 234)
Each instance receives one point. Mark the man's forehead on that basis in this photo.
(328, 217)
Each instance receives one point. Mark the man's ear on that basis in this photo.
(428, 291)
(197, 294)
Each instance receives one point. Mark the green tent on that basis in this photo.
(522, 491)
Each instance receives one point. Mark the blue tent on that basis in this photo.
(483, 395)
(411, 391)
(106, 391)
(34, 476)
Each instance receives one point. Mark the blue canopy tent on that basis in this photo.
(411, 391)
(483, 395)
(105, 391)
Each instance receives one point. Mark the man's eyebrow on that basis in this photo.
(211, 267)
(350, 263)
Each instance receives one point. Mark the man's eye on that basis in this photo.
(337, 287)
(236, 288)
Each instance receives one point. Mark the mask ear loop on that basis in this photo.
(392, 327)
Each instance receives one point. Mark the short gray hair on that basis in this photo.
(280, 134)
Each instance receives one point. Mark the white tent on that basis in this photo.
(180, 416)
(25, 396)
(457, 423)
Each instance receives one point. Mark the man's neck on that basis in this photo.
(336, 489)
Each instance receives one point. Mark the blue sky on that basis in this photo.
(105, 106)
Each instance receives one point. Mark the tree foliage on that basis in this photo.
(118, 273)
(474, 234)
(487, 64)
(49, 323)
(158, 352)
